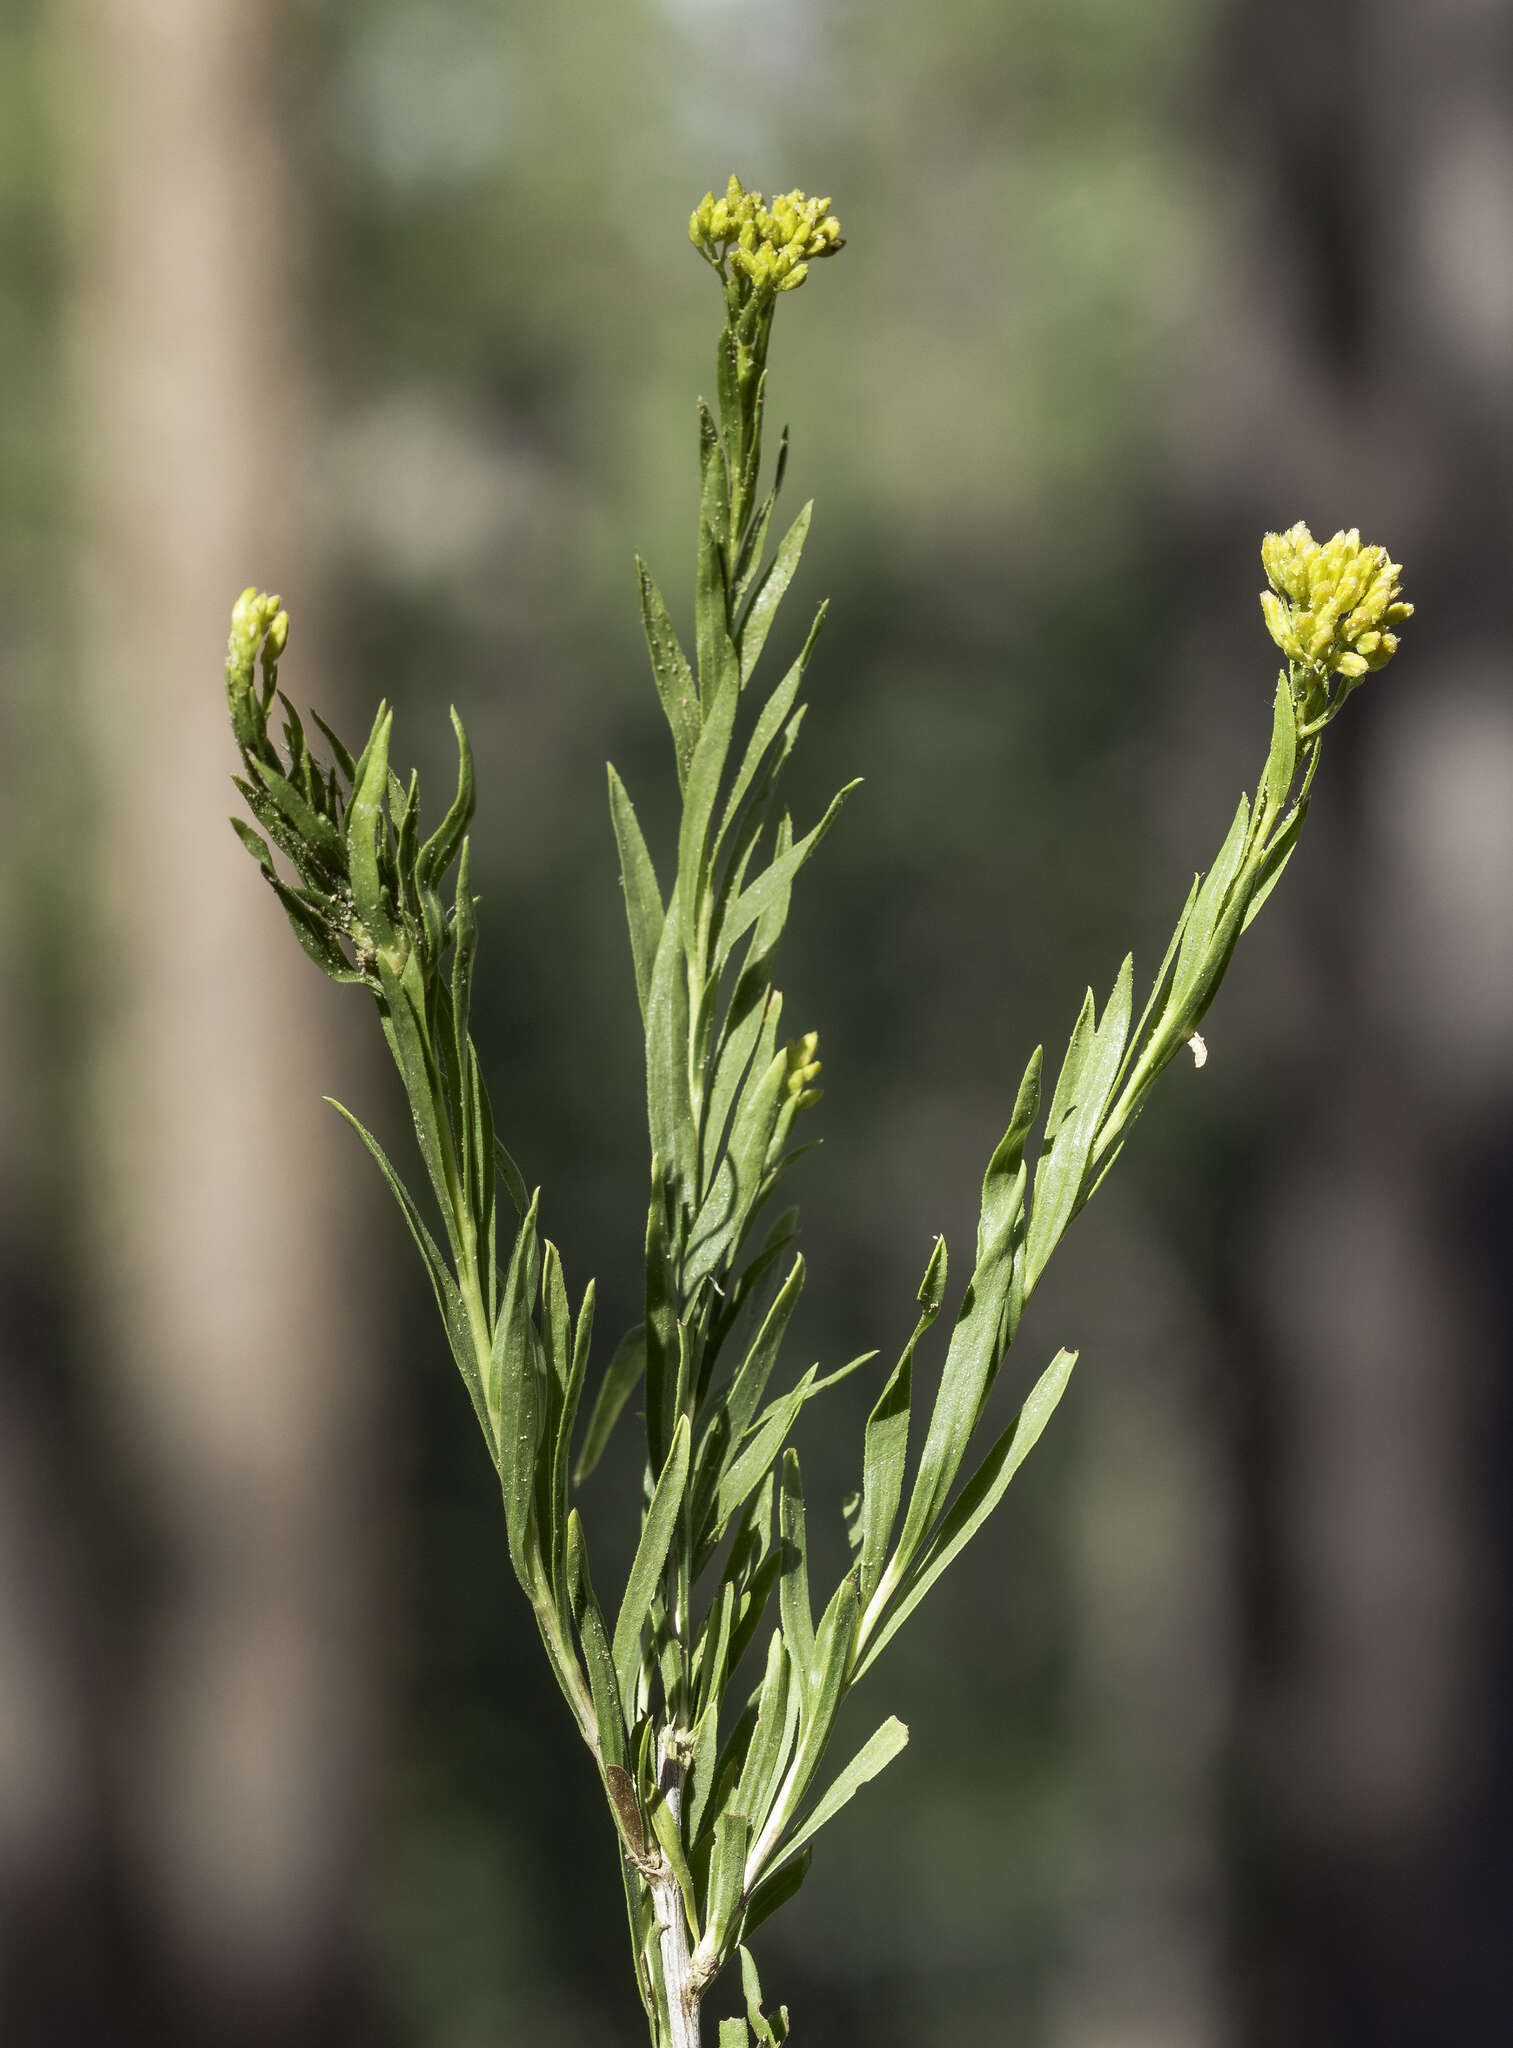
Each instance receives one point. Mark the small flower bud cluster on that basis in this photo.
(1331, 603)
(257, 621)
(768, 249)
(803, 1070)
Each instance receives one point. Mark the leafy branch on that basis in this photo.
(717, 1785)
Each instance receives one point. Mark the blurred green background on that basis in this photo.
(389, 306)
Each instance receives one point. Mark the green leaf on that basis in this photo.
(313, 933)
(756, 534)
(669, 1108)
(699, 800)
(733, 1407)
(567, 1413)
(745, 1472)
(824, 1689)
(1003, 1182)
(712, 1650)
(1059, 1177)
(663, 1329)
(717, 658)
(651, 1556)
(775, 1890)
(620, 1379)
(768, 591)
(339, 753)
(734, 2034)
(448, 1300)
(767, 1751)
(875, 1754)
(364, 820)
(770, 2033)
(670, 1838)
(409, 1041)
(983, 1324)
(1278, 854)
(1194, 960)
(638, 878)
(886, 1444)
(793, 1586)
(751, 1377)
(676, 688)
(513, 1180)
(609, 1712)
(727, 383)
(976, 1501)
(770, 722)
(770, 885)
(514, 1397)
(1282, 761)
(316, 832)
(255, 844)
(473, 1120)
(734, 1195)
(732, 1838)
(436, 855)
(753, 1609)
(1161, 986)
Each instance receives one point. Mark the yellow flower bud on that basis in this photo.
(772, 245)
(1330, 601)
(803, 1069)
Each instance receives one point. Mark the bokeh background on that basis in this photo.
(386, 304)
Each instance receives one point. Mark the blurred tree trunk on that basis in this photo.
(237, 1732)
(1371, 1684)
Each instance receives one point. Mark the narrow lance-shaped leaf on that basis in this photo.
(979, 1338)
(609, 1713)
(875, 1754)
(770, 721)
(363, 821)
(513, 1395)
(971, 1509)
(765, 1753)
(651, 1557)
(828, 1677)
(716, 656)
(1059, 1178)
(669, 1107)
(732, 1837)
(676, 688)
(769, 886)
(572, 1395)
(793, 1586)
(775, 1890)
(448, 1300)
(436, 855)
(699, 799)
(643, 899)
(620, 1379)
(767, 594)
(886, 1444)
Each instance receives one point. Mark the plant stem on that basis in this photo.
(680, 1990)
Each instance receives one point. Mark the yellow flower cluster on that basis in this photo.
(1332, 602)
(257, 620)
(804, 1069)
(768, 248)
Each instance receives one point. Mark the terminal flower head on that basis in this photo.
(764, 249)
(1332, 604)
(259, 624)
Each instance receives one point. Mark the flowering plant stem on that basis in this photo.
(716, 1774)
